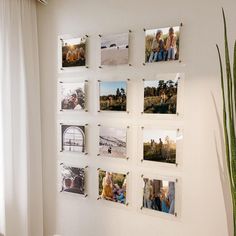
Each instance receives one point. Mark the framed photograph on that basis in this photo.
(72, 96)
(115, 49)
(162, 44)
(112, 96)
(112, 186)
(72, 179)
(73, 138)
(160, 96)
(159, 145)
(112, 142)
(73, 52)
(159, 195)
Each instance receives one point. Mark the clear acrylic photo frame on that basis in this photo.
(163, 62)
(179, 146)
(101, 66)
(72, 81)
(108, 203)
(68, 37)
(59, 177)
(180, 96)
(59, 139)
(127, 129)
(128, 83)
(151, 212)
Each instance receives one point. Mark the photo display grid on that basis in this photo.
(160, 96)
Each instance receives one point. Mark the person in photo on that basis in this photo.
(148, 194)
(107, 185)
(157, 53)
(171, 46)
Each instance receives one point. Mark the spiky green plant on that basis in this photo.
(228, 86)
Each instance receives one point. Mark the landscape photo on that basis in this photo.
(112, 186)
(162, 44)
(115, 49)
(73, 96)
(74, 52)
(72, 179)
(160, 96)
(159, 195)
(73, 138)
(113, 95)
(159, 145)
(112, 142)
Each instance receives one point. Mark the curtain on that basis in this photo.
(20, 141)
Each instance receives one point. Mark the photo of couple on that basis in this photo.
(162, 44)
(159, 195)
(72, 179)
(112, 186)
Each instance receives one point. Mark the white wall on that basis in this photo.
(202, 203)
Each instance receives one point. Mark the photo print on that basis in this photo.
(74, 52)
(159, 145)
(73, 96)
(73, 138)
(113, 95)
(112, 142)
(112, 186)
(115, 49)
(159, 195)
(162, 44)
(72, 179)
(160, 96)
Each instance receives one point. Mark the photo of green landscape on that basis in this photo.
(113, 96)
(160, 96)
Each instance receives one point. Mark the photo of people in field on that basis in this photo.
(115, 49)
(72, 96)
(159, 195)
(113, 95)
(159, 145)
(73, 138)
(160, 96)
(72, 179)
(112, 186)
(162, 44)
(112, 142)
(74, 52)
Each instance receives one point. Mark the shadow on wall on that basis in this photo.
(222, 164)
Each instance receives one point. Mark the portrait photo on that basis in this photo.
(162, 44)
(112, 186)
(72, 179)
(74, 52)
